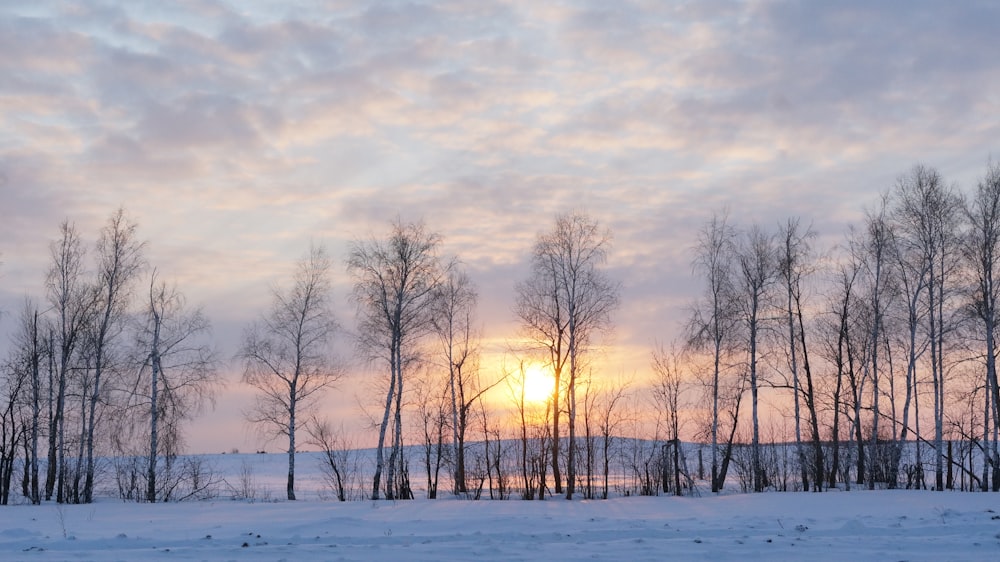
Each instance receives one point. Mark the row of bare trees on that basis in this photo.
(105, 359)
(856, 346)
(894, 327)
(102, 365)
(416, 325)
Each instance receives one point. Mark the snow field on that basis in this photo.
(852, 526)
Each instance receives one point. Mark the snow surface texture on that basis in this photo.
(852, 526)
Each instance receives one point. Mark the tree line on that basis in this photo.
(110, 366)
(894, 327)
(854, 346)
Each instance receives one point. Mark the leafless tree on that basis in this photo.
(395, 284)
(336, 463)
(981, 250)
(565, 301)
(177, 369)
(712, 324)
(30, 353)
(927, 215)
(452, 316)
(15, 380)
(838, 349)
(72, 304)
(793, 265)
(20, 404)
(602, 417)
(910, 272)
(610, 418)
(757, 260)
(120, 258)
(876, 250)
(433, 407)
(287, 353)
(667, 388)
(534, 434)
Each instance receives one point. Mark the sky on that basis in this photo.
(237, 133)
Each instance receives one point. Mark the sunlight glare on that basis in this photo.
(538, 383)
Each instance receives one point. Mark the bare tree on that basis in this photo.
(876, 251)
(119, 261)
(927, 215)
(602, 418)
(336, 462)
(71, 302)
(838, 349)
(21, 414)
(793, 264)
(609, 420)
(453, 320)
(286, 353)
(534, 434)
(910, 274)
(981, 250)
(667, 387)
(433, 406)
(30, 353)
(757, 259)
(713, 320)
(564, 302)
(180, 368)
(395, 284)
(15, 379)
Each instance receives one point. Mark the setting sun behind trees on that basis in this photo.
(539, 384)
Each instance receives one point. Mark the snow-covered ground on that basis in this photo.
(854, 526)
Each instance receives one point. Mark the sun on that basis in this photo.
(538, 383)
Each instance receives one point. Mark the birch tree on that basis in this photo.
(712, 323)
(927, 215)
(757, 265)
(981, 250)
(70, 300)
(29, 354)
(178, 370)
(566, 300)
(120, 258)
(287, 355)
(793, 265)
(877, 251)
(910, 271)
(453, 320)
(667, 389)
(396, 280)
(838, 349)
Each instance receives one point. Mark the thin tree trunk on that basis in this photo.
(459, 484)
(88, 486)
(379, 451)
(571, 398)
(290, 487)
(811, 406)
(154, 416)
(758, 480)
(35, 411)
(555, 433)
(716, 483)
(53, 437)
(793, 360)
